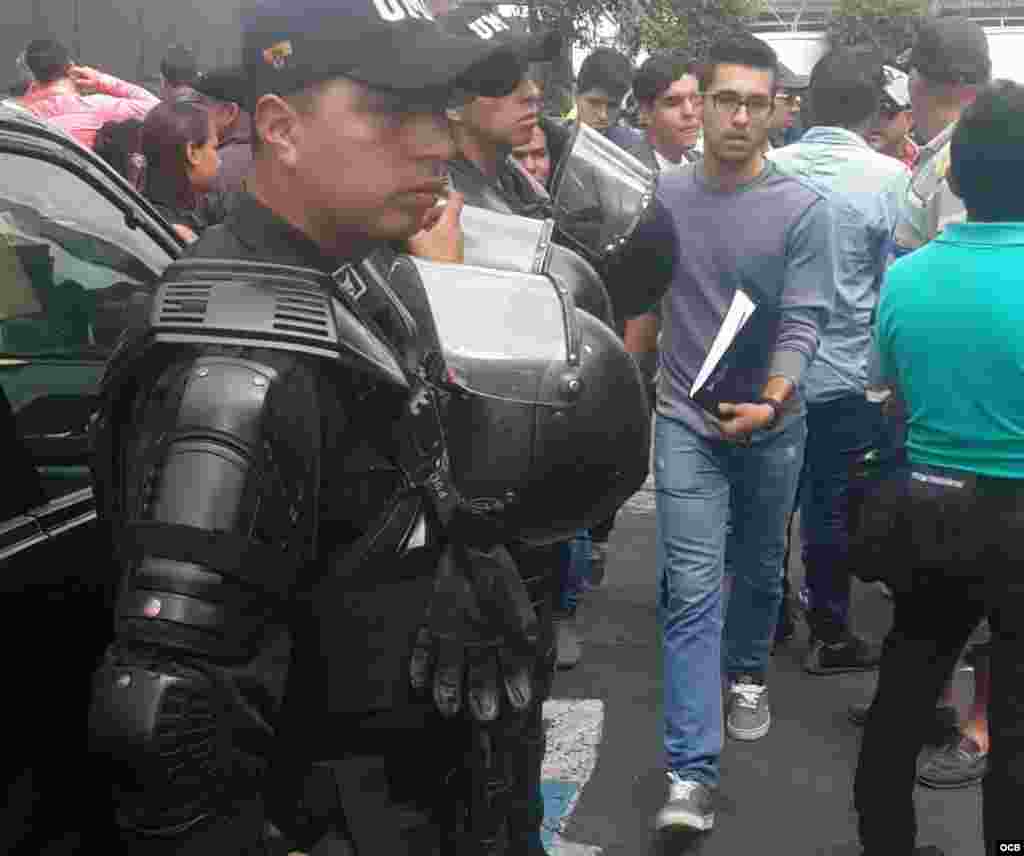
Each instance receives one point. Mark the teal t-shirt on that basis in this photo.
(950, 332)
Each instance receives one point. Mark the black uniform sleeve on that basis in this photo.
(640, 274)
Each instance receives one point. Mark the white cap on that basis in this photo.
(897, 87)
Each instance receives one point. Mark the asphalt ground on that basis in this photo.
(788, 793)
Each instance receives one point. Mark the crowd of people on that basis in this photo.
(872, 214)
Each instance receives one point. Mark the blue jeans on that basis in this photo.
(575, 571)
(837, 432)
(700, 484)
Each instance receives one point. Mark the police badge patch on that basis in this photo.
(277, 55)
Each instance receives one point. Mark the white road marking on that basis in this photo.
(574, 731)
(642, 501)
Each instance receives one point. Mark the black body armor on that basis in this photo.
(276, 466)
(260, 437)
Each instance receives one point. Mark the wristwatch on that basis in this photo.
(776, 407)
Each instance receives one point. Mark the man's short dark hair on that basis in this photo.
(659, 72)
(606, 69)
(748, 51)
(987, 154)
(951, 50)
(179, 66)
(846, 87)
(47, 59)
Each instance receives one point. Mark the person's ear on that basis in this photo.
(193, 154)
(966, 94)
(645, 111)
(279, 128)
(231, 111)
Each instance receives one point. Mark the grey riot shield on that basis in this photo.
(506, 241)
(548, 426)
(513, 243)
(600, 192)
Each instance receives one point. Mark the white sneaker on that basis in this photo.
(748, 716)
(690, 806)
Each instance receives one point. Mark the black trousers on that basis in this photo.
(962, 550)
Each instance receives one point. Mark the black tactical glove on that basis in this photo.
(479, 635)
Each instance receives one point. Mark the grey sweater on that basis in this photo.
(772, 237)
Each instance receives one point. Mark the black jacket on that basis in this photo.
(514, 192)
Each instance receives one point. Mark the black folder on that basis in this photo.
(719, 379)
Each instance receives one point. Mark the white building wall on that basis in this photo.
(800, 51)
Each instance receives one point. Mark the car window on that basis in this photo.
(73, 273)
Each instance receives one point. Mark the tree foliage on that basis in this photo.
(887, 25)
(694, 25)
(578, 22)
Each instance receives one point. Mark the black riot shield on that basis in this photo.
(600, 193)
(548, 426)
(513, 243)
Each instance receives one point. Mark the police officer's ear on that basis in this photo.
(228, 111)
(277, 124)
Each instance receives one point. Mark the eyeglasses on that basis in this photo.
(758, 106)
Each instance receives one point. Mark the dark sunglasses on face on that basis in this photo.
(890, 111)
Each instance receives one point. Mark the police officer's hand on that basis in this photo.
(441, 239)
(477, 647)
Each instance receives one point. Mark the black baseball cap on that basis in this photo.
(951, 50)
(486, 25)
(396, 45)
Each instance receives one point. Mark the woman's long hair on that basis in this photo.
(168, 129)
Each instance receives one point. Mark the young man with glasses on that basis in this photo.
(741, 224)
(784, 119)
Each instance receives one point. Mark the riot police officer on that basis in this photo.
(486, 130)
(269, 449)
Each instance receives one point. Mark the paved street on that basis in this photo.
(790, 793)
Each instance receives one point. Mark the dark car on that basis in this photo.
(80, 253)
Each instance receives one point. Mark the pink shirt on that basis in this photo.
(82, 116)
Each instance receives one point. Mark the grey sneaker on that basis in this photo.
(567, 641)
(690, 806)
(748, 716)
